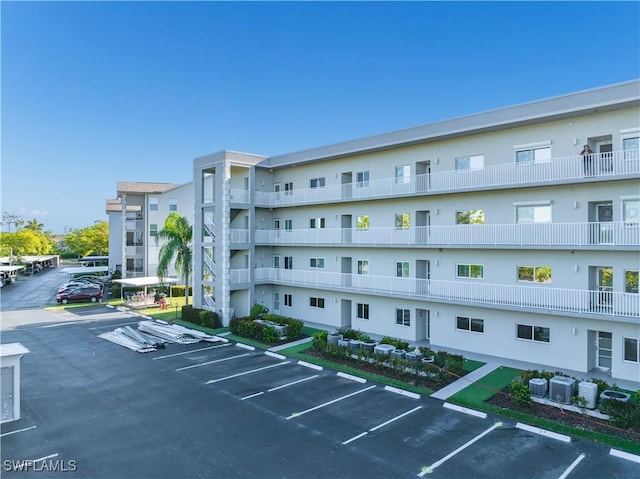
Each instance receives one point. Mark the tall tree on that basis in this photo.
(25, 242)
(178, 235)
(34, 225)
(9, 219)
(92, 240)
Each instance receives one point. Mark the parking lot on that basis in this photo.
(95, 409)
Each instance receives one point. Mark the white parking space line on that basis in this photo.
(465, 410)
(192, 351)
(213, 362)
(19, 430)
(382, 425)
(572, 466)
(429, 469)
(292, 383)
(543, 432)
(252, 396)
(247, 372)
(625, 455)
(50, 456)
(297, 414)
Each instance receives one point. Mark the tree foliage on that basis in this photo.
(25, 242)
(34, 225)
(91, 240)
(178, 235)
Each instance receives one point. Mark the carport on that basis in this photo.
(145, 282)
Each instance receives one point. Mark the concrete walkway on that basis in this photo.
(457, 386)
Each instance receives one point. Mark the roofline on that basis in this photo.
(596, 100)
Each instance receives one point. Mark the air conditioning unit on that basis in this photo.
(562, 389)
(538, 387)
(588, 391)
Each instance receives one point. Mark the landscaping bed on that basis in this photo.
(565, 417)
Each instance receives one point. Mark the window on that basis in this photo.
(153, 230)
(631, 211)
(316, 263)
(470, 324)
(535, 274)
(153, 203)
(474, 271)
(276, 261)
(316, 302)
(288, 262)
(533, 214)
(470, 217)
(403, 317)
(362, 179)
(173, 205)
(527, 156)
(465, 163)
(363, 311)
(403, 174)
(402, 269)
(288, 299)
(288, 189)
(403, 221)
(632, 350)
(363, 266)
(362, 222)
(317, 182)
(631, 281)
(630, 147)
(316, 223)
(276, 301)
(532, 333)
(288, 225)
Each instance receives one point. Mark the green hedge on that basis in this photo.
(201, 317)
(248, 328)
(178, 291)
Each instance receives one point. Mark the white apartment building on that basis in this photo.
(487, 233)
(133, 236)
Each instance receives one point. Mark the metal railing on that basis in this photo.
(237, 235)
(616, 233)
(559, 300)
(613, 165)
(238, 275)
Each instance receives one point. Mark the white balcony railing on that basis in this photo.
(617, 164)
(535, 234)
(238, 195)
(239, 235)
(560, 300)
(238, 275)
(134, 225)
(135, 251)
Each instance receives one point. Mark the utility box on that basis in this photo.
(588, 391)
(10, 355)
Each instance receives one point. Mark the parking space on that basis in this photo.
(225, 410)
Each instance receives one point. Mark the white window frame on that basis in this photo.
(534, 148)
(624, 350)
(362, 179)
(316, 223)
(316, 302)
(360, 220)
(288, 225)
(403, 174)
(626, 283)
(288, 300)
(630, 154)
(534, 268)
(469, 265)
(534, 205)
(316, 263)
(288, 188)
(473, 163)
(624, 208)
(317, 182)
(534, 329)
(402, 265)
(276, 300)
(471, 213)
(362, 267)
(153, 203)
(173, 204)
(288, 262)
(470, 322)
(405, 319)
(400, 221)
(362, 311)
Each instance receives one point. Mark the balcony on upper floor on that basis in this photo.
(601, 235)
(615, 165)
(597, 304)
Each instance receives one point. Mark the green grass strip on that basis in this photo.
(471, 365)
(486, 387)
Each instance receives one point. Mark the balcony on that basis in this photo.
(237, 195)
(135, 251)
(134, 225)
(239, 236)
(609, 234)
(622, 306)
(561, 170)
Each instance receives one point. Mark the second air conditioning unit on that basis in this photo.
(538, 387)
(562, 389)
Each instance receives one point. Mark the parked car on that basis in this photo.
(77, 284)
(91, 278)
(87, 293)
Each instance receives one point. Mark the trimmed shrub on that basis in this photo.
(398, 343)
(201, 317)
(178, 291)
(270, 335)
(520, 394)
(319, 340)
(348, 333)
(258, 310)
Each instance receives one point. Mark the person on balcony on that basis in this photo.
(587, 158)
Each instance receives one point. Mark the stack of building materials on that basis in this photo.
(175, 333)
(152, 335)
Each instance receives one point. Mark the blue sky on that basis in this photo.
(99, 92)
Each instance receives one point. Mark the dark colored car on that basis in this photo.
(81, 294)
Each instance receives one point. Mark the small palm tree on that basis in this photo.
(178, 235)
